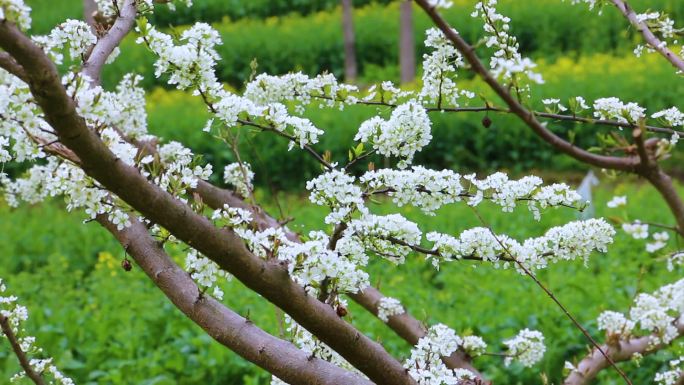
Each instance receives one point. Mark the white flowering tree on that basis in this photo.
(92, 147)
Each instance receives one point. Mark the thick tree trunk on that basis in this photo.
(407, 52)
(350, 69)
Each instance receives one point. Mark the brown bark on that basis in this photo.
(278, 357)
(591, 365)
(468, 52)
(267, 278)
(651, 39)
(21, 355)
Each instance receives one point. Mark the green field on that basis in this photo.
(106, 326)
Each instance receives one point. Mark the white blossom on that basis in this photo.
(406, 132)
(615, 323)
(388, 307)
(673, 374)
(205, 272)
(617, 201)
(636, 229)
(527, 347)
(17, 12)
(614, 109)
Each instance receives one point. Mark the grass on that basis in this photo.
(109, 327)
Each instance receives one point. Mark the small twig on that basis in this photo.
(21, 355)
(554, 299)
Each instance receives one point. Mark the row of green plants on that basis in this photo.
(48, 13)
(105, 326)
(460, 141)
(313, 44)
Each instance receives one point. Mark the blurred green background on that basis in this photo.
(106, 326)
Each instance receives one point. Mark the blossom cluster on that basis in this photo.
(614, 108)
(674, 374)
(657, 313)
(336, 190)
(568, 242)
(388, 307)
(299, 88)
(75, 34)
(312, 262)
(205, 272)
(389, 236)
(527, 347)
(240, 176)
(439, 71)
(14, 314)
(406, 132)
(17, 12)
(425, 365)
(507, 62)
(430, 189)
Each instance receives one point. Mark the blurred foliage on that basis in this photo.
(106, 326)
(313, 44)
(460, 142)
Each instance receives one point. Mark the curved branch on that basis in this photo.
(648, 35)
(592, 364)
(468, 52)
(107, 43)
(21, 355)
(278, 357)
(268, 278)
(10, 65)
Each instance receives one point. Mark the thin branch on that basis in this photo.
(106, 44)
(650, 38)
(546, 115)
(422, 250)
(270, 279)
(277, 356)
(10, 65)
(623, 350)
(291, 138)
(555, 300)
(468, 52)
(21, 355)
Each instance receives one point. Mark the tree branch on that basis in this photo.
(107, 43)
(21, 355)
(648, 35)
(410, 329)
(592, 364)
(468, 52)
(268, 278)
(10, 65)
(278, 357)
